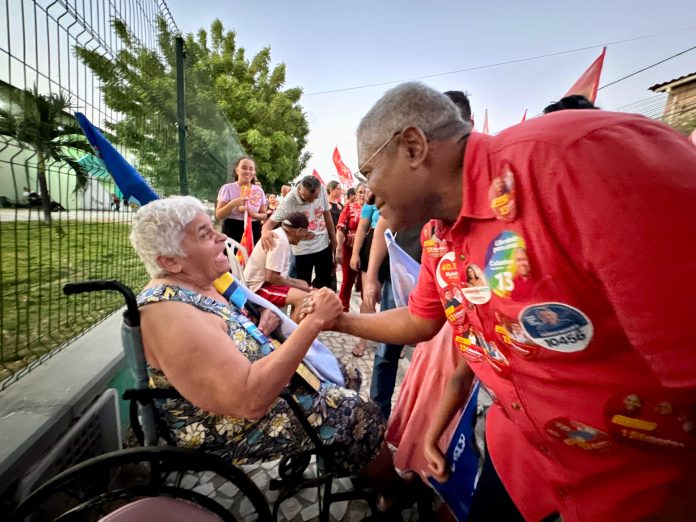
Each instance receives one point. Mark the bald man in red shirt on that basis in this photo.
(592, 366)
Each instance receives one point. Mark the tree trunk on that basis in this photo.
(43, 187)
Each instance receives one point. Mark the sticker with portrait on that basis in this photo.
(578, 435)
(476, 290)
(496, 358)
(453, 303)
(501, 195)
(557, 326)
(469, 340)
(652, 421)
(507, 269)
(433, 245)
(511, 333)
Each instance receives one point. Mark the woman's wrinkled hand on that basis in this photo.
(268, 322)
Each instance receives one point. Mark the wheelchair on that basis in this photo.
(156, 478)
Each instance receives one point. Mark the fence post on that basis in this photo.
(181, 113)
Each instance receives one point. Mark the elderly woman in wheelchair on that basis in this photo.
(228, 374)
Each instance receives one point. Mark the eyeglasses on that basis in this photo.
(360, 174)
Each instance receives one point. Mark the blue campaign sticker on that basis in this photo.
(557, 326)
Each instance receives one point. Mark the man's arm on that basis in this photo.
(397, 326)
(276, 278)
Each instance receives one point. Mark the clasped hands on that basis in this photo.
(323, 306)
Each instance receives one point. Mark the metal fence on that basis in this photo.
(83, 233)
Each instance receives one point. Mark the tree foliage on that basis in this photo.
(233, 105)
(43, 122)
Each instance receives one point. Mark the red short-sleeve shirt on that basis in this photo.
(569, 277)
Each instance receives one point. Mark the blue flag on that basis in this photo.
(403, 269)
(135, 189)
(458, 490)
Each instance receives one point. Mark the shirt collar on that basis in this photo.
(476, 180)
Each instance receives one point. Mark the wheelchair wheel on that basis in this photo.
(105, 484)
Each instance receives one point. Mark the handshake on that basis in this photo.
(322, 306)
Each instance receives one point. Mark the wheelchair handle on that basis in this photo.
(131, 315)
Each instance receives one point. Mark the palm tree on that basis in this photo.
(44, 123)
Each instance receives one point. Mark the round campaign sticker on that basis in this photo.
(477, 290)
(578, 435)
(453, 303)
(501, 194)
(557, 326)
(508, 270)
(447, 273)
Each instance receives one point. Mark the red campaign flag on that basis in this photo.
(588, 83)
(485, 122)
(316, 175)
(524, 116)
(247, 240)
(344, 173)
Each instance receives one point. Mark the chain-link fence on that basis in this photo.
(62, 218)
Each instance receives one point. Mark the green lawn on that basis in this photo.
(36, 261)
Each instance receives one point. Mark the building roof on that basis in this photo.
(663, 87)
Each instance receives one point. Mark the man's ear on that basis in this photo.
(417, 146)
(169, 264)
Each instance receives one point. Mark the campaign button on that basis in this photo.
(557, 326)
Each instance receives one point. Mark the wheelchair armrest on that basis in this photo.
(146, 395)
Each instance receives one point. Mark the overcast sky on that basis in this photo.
(328, 45)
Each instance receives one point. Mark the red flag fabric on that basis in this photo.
(485, 122)
(247, 240)
(344, 173)
(524, 116)
(316, 175)
(693, 137)
(588, 83)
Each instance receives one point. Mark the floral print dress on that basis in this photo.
(353, 427)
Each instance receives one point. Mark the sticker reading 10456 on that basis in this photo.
(557, 326)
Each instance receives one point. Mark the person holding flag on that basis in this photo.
(242, 204)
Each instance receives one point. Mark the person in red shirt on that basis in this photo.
(594, 415)
(345, 236)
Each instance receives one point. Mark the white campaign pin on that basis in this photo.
(557, 326)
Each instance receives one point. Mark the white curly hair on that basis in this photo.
(158, 229)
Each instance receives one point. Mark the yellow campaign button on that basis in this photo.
(630, 422)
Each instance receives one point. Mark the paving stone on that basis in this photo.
(290, 508)
(310, 512)
(204, 489)
(309, 494)
(338, 509)
(189, 481)
(261, 479)
(245, 507)
(228, 489)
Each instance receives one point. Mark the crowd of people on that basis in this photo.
(534, 247)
